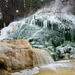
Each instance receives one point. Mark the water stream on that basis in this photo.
(50, 29)
(62, 67)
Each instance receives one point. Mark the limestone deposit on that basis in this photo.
(15, 44)
(21, 59)
(19, 54)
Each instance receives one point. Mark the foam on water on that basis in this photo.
(55, 67)
(35, 70)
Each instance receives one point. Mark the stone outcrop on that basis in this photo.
(15, 44)
(21, 59)
(16, 59)
(19, 54)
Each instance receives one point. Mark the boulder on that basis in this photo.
(20, 59)
(19, 54)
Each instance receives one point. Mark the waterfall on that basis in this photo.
(53, 69)
(45, 28)
(41, 58)
(51, 28)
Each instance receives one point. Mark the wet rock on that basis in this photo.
(21, 59)
(19, 54)
(15, 44)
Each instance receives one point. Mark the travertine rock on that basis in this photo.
(19, 54)
(21, 59)
(15, 44)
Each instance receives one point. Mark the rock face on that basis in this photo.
(14, 60)
(19, 54)
(15, 44)
(21, 59)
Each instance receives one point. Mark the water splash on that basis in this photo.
(35, 70)
(7, 30)
(54, 67)
(47, 28)
(41, 58)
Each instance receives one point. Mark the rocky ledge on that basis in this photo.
(21, 56)
(14, 44)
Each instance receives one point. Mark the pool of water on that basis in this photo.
(60, 72)
(62, 67)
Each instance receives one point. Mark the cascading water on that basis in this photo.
(41, 58)
(48, 28)
(51, 28)
(64, 67)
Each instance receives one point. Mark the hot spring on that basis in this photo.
(51, 30)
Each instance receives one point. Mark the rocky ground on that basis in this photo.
(18, 54)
